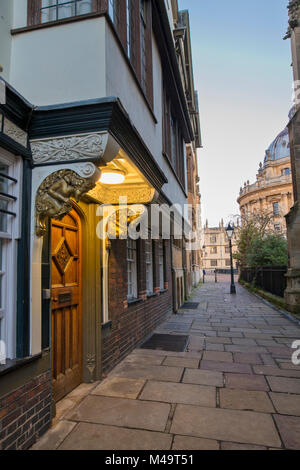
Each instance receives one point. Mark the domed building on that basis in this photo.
(272, 192)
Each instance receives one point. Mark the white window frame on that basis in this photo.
(161, 260)
(149, 266)
(50, 9)
(9, 238)
(132, 289)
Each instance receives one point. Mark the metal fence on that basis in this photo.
(269, 278)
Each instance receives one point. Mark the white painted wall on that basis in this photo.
(60, 64)
(120, 83)
(80, 61)
(6, 20)
(19, 13)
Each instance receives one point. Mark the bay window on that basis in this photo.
(10, 172)
(53, 10)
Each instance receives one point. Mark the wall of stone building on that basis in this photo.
(25, 413)
(131, 324)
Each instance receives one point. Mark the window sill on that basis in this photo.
(149, 296)
(134, 301)
(50, 24)
(14, 364)
(163, 291)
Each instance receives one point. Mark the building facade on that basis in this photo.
(292, 293)
(272, 193)
(186, 270)
(105, 116)
(216, 251)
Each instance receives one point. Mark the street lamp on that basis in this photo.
(229, 231)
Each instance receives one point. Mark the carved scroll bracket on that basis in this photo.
(53, 197)
(96, 146)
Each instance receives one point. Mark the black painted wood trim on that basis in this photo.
(105, 114)
(23, 271)
(163, 36)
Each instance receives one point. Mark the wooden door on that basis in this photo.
(66, 308)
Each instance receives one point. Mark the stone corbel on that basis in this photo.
(53, 197)
(99, 147)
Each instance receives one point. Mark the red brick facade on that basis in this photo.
(133, 322)
(25, 413)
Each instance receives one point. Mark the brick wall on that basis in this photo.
(25, 413)
(132, 323)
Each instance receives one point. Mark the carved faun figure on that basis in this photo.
(53, 195)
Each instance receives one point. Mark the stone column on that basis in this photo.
(292, 293)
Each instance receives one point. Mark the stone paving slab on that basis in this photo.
(286, 404)
(134, 371)
(55, 436)
(245, 400)
(226, 367)
(181, 362)
(98, 437)
(247, 358)
(168, 392)
(203, 377)
(234, 388)
(289, 428)
(194, 443)
(214, 347)
(120, 387)
(235, 446)
(147, 360)
(246, 382)
(122, 412)
(225, 425)
(284, 384)
(217, 356)
(276, 371)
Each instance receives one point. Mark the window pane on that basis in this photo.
(3, 217)
(84, 7)
(131, 269)
(149, 266)
(53, 10)
(65, 11)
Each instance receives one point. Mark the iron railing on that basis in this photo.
(269, 278)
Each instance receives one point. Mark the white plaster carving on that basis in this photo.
(75, 147)
(2, 92)
(135, 194)
(15, 133)
(86, 170)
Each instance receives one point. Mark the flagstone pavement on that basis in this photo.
(234, 388)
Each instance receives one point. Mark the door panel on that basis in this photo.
(66, 304)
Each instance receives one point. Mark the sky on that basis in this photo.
(242, 71)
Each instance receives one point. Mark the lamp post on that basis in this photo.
(229, 231)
